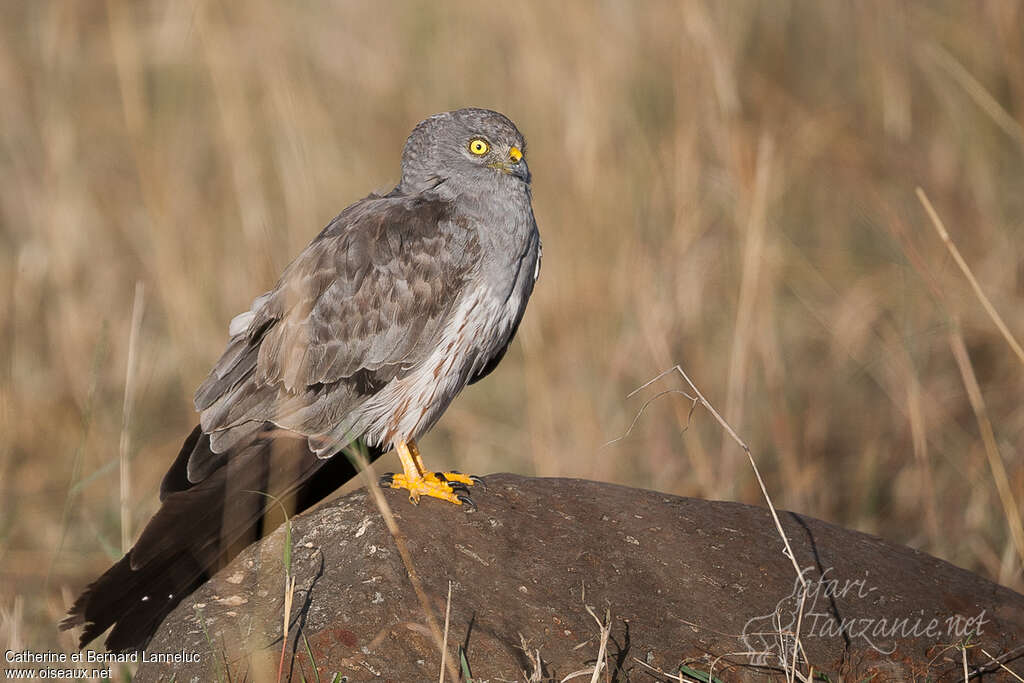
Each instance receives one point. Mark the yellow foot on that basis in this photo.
(418, 481)
(467, 479)
(450, 486)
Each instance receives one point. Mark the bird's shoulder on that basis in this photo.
(396, 234)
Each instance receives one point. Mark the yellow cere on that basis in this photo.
(479, 147)
(515, 154)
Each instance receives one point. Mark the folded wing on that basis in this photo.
(361, 306)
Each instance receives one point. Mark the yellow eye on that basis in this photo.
(479, 147)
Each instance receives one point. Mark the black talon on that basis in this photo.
(478, 481)
(468, 502)
(386, 480)
(459, 486)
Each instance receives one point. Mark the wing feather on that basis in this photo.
(361, 305)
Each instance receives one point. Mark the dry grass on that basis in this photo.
(728, 186)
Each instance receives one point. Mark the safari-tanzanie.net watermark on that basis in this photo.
(770, 638)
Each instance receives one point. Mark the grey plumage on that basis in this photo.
(399, 303)
(393, 308)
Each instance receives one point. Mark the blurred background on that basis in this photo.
(729, 186)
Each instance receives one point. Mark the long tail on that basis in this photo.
(200, 527)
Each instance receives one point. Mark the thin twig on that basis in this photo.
(605, 628)
(444, 646)
(124, 446)
(989, 308)
(988, 437)
(791, 671)
(403, 550)
(643, 408)
(746, 449)
(753, 257)
(676, 677)
(797, 646)
(289, 597)
(976, 91)
(289, 581)
(1001, 665)
(535, 661)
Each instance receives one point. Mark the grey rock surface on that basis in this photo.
(686, 581)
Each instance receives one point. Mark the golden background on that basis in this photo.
(725, 185)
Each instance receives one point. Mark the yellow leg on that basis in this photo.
(417, 459)
(419, 481)
(412, 462)
(450, 476)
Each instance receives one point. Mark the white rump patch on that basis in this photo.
(240, 323)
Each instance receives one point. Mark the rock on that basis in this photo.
(693, 582)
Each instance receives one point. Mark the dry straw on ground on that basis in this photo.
(728, 186)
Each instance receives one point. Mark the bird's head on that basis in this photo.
(472, 149)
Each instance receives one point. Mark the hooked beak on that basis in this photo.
(516, 165)
(519, 167)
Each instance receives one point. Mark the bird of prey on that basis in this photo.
(400, 302)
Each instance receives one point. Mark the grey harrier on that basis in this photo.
(399, 303)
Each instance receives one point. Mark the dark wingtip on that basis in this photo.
(76, 619)
(76, 616)
(70, 621)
